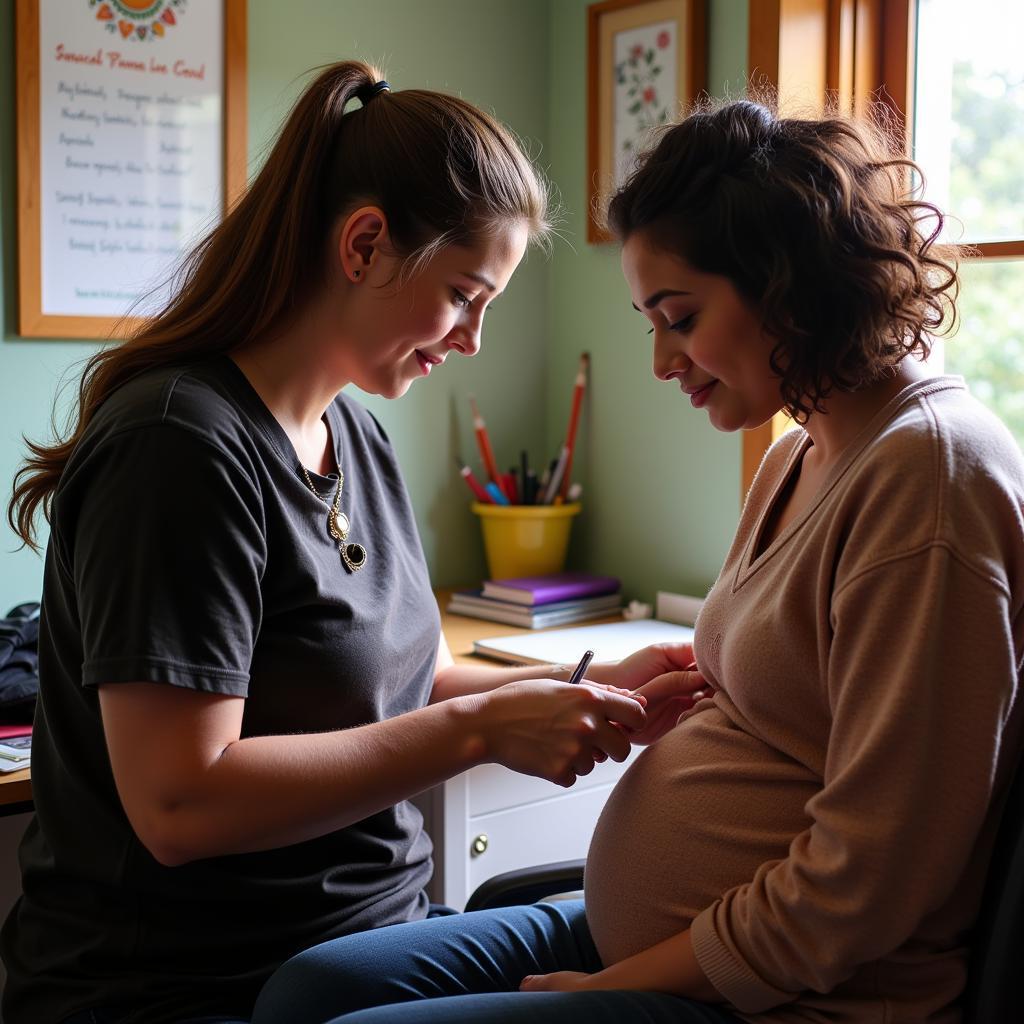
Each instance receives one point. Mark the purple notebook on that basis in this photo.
(562, 586)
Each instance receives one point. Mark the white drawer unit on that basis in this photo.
(491, 820)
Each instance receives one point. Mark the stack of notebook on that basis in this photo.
(536, 602)
(15, 747)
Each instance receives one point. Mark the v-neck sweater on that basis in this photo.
(824, 822)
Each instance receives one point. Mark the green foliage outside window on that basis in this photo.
(987, 194)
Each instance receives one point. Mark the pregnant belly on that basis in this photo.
(694, 816)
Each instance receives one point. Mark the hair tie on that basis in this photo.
(366, 93)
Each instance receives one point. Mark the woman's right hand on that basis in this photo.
(554, 730)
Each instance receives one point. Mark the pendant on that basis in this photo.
(337, 524)
(353, 555)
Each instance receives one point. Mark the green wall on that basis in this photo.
(494, 53)
(662, 488)
(29, 371)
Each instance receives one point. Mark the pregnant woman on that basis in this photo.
(809, 843)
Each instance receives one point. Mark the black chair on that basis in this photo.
(527, 885)
(995, 984)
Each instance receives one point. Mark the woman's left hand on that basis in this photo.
(667, 677)
(560, 981)
(633, 672)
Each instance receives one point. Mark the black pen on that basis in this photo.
(578, 671)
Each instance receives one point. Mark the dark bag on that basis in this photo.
(19, 663)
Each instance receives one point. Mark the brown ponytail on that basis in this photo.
(442, 171)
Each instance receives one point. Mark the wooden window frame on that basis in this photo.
(856, 52)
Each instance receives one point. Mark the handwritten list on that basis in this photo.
(131, 130)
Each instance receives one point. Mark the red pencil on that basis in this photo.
(574, 419)
(474, 485)
(484, 442)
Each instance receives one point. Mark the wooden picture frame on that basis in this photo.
(646, 60)
(120, 78)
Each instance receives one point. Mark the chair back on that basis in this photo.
(995, 978)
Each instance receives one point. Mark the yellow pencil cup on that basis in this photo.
(525, 540)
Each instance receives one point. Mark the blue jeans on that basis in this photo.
(104, 1015)
(466, 968)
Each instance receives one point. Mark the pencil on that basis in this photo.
(484, 443)
(574, 418)
(474, 485)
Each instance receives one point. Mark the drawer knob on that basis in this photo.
(478, 846)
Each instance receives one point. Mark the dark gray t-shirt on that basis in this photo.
(187, 549)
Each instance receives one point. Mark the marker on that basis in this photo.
(496, 493)
(581, 668)
(531, 487)
(474, 484)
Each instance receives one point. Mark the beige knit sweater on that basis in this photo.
(824, 822)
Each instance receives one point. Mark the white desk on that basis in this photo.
(489, 819)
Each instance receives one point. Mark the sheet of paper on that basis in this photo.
(610, 641)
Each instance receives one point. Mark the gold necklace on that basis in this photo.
(353, 555)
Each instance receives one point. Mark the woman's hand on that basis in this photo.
(666, 676)
(670, 966)
(560, 981)
(553, 730)
(633, 672)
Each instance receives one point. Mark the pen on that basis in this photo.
(474, 485)
(531, 487)
(545, 479)
(578, 671)
(556, 476)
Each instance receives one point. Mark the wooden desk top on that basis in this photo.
(16, 787)
(460, 630)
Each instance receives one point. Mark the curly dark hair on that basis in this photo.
(814, 223)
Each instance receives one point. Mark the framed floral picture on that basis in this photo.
(646, 60)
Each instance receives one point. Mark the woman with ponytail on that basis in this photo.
(242, 676)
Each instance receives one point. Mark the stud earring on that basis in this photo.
(355, 273)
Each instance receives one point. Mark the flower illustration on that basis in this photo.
(636, 81)
(138, 19)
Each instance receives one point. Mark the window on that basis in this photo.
(968, 137)
(952, 74)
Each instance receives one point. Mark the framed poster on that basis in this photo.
(131, 143)
(646, 59)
